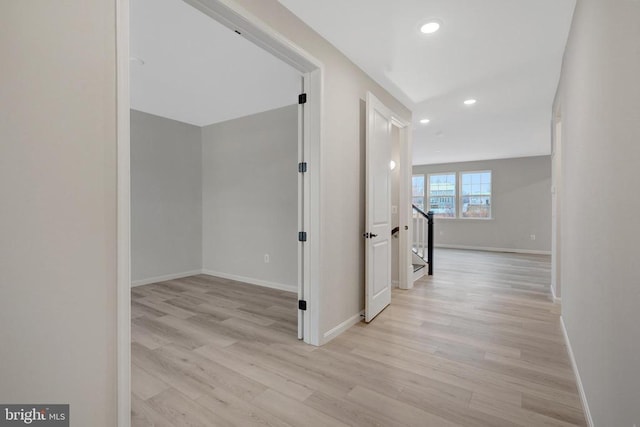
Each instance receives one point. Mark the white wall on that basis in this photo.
(58, 182)
(521, 206)
(598, 102)
(250, 200)
(166, 198)
(58, 208)
(342, 192)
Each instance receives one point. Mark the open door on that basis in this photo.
(378, 208)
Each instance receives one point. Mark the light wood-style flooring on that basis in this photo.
(477, 344)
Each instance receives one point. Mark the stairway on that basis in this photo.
(419, 266)
(422, 245)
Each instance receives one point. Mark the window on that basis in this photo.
(417, 184)
(442, 195)
(475, 197)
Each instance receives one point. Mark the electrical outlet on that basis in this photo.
(533, 237)
(266, 258)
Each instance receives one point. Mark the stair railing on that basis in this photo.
(423, 236)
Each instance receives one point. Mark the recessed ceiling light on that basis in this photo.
(430, 27)
(470, 102)
(425, 121)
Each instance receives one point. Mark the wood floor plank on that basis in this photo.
(168, 371)
(239, 412)
(517, 415)
(294, 412)
(348, 412)
(478, 344)
(279, 358)
(164, 307)
(144, 415)
(397, 409)
(212, 374)
(181, 411)
(145, 385)
(258, 372)
(553, 409)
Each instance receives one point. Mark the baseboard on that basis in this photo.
(553, 294)
(489, 249)
(252, 281)
(574, 365)
(332, 333)
(164, 278)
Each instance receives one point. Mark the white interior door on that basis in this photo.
(378, 208)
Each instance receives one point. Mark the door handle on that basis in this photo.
(369, 235)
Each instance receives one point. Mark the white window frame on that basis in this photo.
(455, 194)
(460, 195)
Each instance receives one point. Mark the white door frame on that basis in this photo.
(405, 269)
(556, 203)
(238, 19)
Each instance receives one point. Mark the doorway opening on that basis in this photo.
(401, 216)
(307, 193)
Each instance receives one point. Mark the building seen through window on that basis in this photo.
(475, 198)
(417, 184)
(442, 195)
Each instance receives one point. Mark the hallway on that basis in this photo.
(477, 344)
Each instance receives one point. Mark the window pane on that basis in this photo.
(417, 182)
(442, 195)
(475, 201)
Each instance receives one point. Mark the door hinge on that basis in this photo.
(302, 167)
(302, 305)
(302, 98)
(302, 236)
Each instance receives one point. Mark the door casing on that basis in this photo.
(556, 202)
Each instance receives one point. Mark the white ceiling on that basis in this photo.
(198, 71)
(505, 53)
